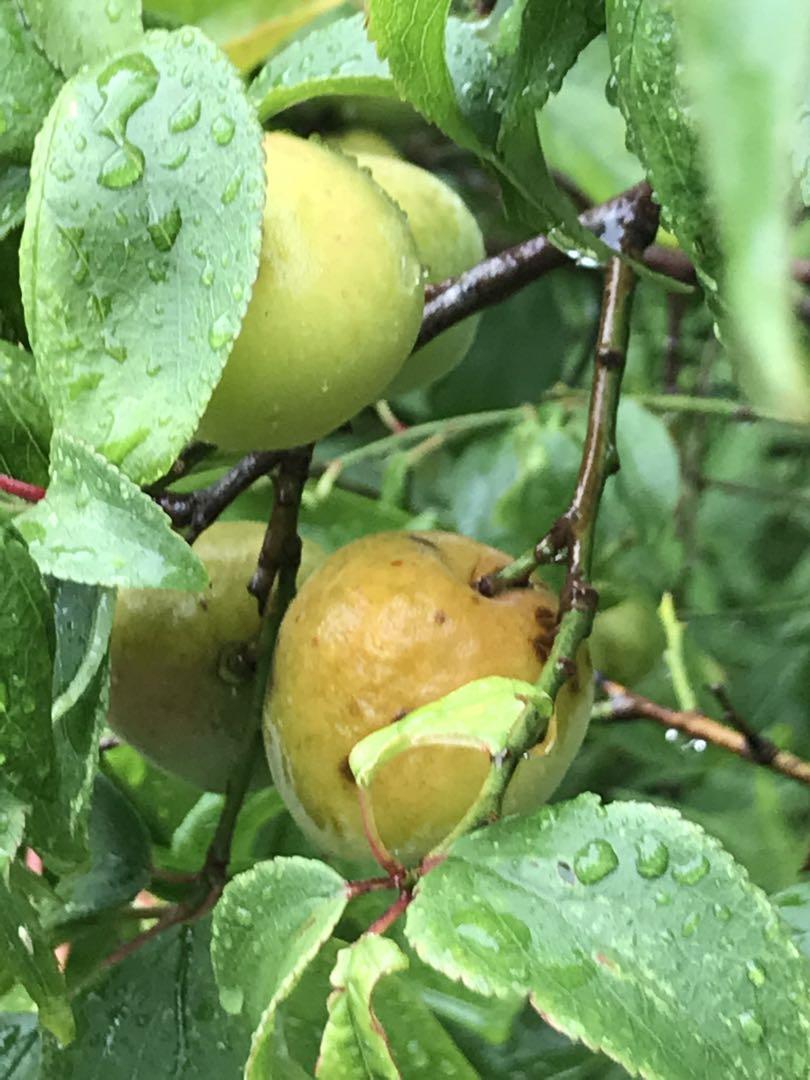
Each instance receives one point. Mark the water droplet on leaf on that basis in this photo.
(652, 857)
(595, 861)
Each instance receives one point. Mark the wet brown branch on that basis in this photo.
(623, 704)
(571, 536)
(195, 511)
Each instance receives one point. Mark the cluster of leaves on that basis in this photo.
(131, 190)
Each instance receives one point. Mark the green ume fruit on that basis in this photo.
(627, 640)
(448, 240)
(176, 693)
(335, 309)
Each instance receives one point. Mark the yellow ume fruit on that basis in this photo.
(448, 240)
(171, 695)
(335, 309)
(387, 624)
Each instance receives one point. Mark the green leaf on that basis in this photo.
(119, 857)
(332, 60)
(84, 618)
(58, 826)
(602, 915)
(14, 181)
(583, 135)
(480, 715)
(268, 925)
(354, 1042)
(77, 32)
(25, 426)
(552, 35)
(411, 37)
(154, 1015)
(27, 644)
(647, 82)
(793, 905)
(745, 106)
(28, 85)
(19, 1046)
(95, 526)
(12, 828)
(649, 479)
(141, 245)
(194, 834)
(26, 951)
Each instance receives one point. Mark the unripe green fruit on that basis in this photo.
(335, 309)
(358, 140)
(448, 240)
(627, 640)
(387, 624)
(173, 695)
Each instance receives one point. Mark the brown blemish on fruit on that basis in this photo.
(314, 641)
(345, 770)
(440, 618)
(399, 715)
(396, 562)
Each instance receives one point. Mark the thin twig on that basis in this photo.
(195, 511)
(20, 489)
(761, 750)
(623, 704)
(574, 532)
(282, 548)
(190, 457)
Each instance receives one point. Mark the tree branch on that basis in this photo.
(623, 704)
(279, 559)
(195, 511)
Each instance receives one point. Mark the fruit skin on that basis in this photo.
(386, 624)
(335, 309)
(359, 140)
(627, 640)
(167, 696)
(448, 240)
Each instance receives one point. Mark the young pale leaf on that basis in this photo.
(141, 245)
(20, 1047)
(269, 924)
(95, 526)
(647, 82)
(332, 60)
(631, 930)
(119, 857)
(25, 426)
(76, 32)
(793, 905)
(745, 104)
(28, 85)
(26, 952)
(58, 825)
(354, 1043)
(154, 1015)
(290, 1045)
(14, 181)
(480, 715)
(27, 644)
